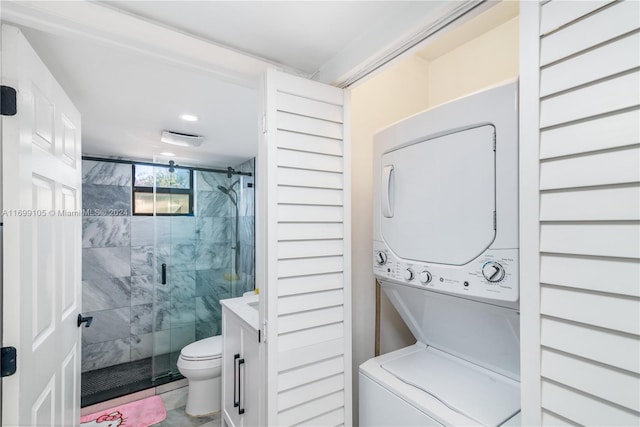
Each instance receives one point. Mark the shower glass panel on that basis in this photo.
(196, 253)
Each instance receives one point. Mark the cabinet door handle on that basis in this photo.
(236, 381)
(240, 408)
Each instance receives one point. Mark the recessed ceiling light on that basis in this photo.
(167, 154)
(189, 118)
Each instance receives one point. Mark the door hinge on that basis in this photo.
(494, 141)
(264, 328)
(8, 106)
(495, 220)
(8, 361)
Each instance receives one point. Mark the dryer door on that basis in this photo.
(438, 197)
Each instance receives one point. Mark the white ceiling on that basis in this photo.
(127, 98)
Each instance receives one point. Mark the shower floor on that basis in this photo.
(119, 380)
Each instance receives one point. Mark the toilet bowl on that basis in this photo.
(200, 363)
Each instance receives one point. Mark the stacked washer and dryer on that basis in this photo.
(446, 254)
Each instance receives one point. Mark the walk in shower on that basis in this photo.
(162, 245)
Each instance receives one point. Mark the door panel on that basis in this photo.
(41, 175)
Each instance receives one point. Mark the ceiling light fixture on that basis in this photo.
(181, 139)
(167, 154)
(189, 118)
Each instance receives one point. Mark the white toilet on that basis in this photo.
(200, 363)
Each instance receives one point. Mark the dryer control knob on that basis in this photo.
(425, 276)
(381, 258)
(493, 271)
(408, 274)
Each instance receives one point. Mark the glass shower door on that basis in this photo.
(174, 305)
(194, 265)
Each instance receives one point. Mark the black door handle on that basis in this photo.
(164, 274)
(236, 383)
(88, 320)
(240, 408)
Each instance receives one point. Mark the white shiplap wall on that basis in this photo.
(308, 292)
(586, 233)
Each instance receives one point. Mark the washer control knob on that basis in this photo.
(408, 274)
(425, 276)
(381, 258)
(493, 271)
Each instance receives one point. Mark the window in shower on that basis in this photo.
(162, 191)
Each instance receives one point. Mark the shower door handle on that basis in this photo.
(164, 274)
(236, 380)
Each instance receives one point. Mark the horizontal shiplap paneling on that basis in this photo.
(311, 301)
(309, 89)
(309, 107)
(603, 97)
(309, 319)
(310, 373)
(310, 196)
(583, 409)
(309, 231)
(617, 130)
(306, 249)
(311, 409)
(610, 59)
(617, 276)
(309, 125)
(309, 143)
(607, 311)
(310, 266)
(592, 343)
(305, 356)
(554, 420)
(603, 168)
(306, 284)
(611, 22)
(302, 213)
(331, 418)
(306, 178)
(555, 14)
(314, 390)
(311, 161)
(621, 387)
(608, 240)
(310, 336)
(591, 204)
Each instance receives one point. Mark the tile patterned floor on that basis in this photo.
(178, 418)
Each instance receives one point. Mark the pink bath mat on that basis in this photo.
(141, 413)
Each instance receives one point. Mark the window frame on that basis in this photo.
(160, 190)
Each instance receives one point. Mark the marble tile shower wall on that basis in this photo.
(122, 252)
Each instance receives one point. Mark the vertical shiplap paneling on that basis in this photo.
(308, 206)
(589, 213)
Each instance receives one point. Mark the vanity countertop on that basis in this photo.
(245, 307)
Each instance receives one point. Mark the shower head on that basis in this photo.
(228, 192)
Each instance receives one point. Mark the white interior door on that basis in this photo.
(42, 241)
(304, 233)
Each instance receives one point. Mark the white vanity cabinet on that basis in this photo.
(240, 364)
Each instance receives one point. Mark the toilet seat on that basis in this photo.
(205, 349)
